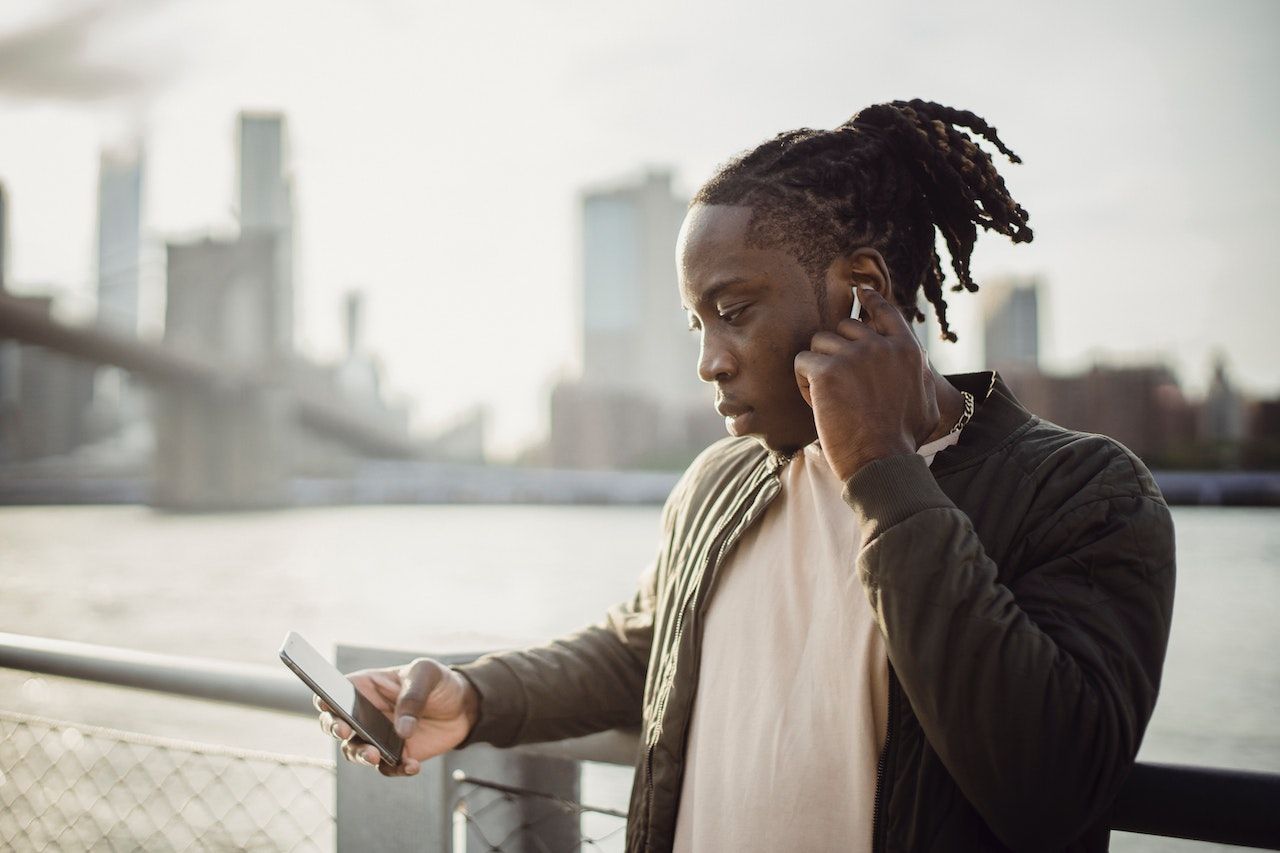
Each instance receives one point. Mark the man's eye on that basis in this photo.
(731, 314)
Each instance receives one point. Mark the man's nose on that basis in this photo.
(715, 362)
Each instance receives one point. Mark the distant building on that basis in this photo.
(462, 440)
(634, 333)
(8, 349)
(1262, 447)
(44, 396)
(596, 427)
(119, 239)
(4, 238)
(45, 399)
(117, 401)
(1142, 407)
(358, 381)
(639, 402)
(1223, 416)
(1011, 325)
(266, 209)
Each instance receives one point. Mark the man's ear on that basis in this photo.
(859, 267)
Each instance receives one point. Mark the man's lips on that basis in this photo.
(729, 409)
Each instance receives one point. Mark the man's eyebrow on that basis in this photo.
(713, 292)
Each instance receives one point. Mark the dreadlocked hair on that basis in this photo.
(885, 179)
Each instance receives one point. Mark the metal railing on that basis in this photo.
(67, 786)
(494, 816)
(535, 787)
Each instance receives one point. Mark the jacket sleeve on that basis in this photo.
(590, 681)
(1034, 695)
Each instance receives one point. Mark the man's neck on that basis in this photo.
(950, 404)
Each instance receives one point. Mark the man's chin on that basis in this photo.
(740, 425)
(784, 444)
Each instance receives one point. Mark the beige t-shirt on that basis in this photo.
(792, 696)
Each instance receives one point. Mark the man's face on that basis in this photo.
(754, 310)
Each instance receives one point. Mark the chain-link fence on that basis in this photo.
(64, 786)
(492, 816)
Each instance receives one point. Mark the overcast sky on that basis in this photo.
(438, 150)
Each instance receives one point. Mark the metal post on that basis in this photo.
(377, 813)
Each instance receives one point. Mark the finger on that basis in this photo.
(335, 726)
(881, 314)
(319, 704)
(807, 365)
(855, 330)
(358, 751)
(387, 681)
(380, 690)
(406, 767)
(421, 678)
(832, 343)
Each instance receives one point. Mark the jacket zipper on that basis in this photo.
(877, 830)
(713, 559)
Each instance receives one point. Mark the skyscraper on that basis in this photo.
(639, 401)
(119, 230)
(266, 208)
(634, 334)
(1011, 325)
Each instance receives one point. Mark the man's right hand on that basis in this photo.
(432, 707)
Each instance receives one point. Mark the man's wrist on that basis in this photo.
(847, 468)
(470, 703)
(890, 490)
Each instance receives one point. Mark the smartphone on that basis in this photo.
(340, 694)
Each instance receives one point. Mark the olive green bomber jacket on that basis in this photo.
(1024, 588)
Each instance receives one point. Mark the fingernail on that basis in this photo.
(411, 769)
(404, 725)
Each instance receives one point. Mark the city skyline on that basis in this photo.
(453, 207)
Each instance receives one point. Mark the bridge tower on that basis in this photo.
(233, 301)
(223, 447)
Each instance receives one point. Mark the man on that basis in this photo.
(895, 611)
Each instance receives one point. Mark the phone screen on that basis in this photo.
(340, 694)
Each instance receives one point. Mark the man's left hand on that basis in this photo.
(869, 386)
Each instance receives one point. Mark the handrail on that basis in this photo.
(1201, 803)
(201, 678)
(249, 685)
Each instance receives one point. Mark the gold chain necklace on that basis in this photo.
(784, 458)
(968, 412)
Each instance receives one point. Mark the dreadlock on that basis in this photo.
(885, 179)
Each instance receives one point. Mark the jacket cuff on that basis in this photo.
(892, 489)
(502, 702)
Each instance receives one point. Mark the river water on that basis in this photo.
(439, 579)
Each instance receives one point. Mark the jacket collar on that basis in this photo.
(997, 416)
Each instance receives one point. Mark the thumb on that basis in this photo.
(418, 679)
